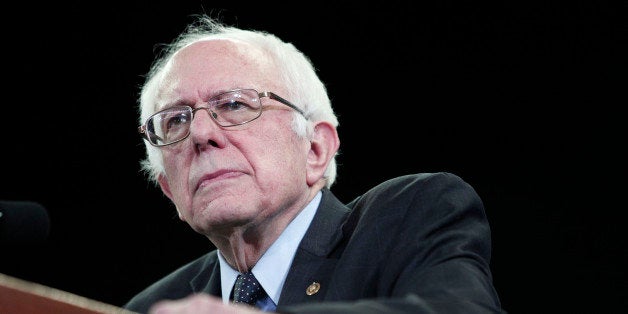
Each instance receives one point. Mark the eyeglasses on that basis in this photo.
(235, 107)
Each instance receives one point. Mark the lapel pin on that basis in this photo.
(313, 288)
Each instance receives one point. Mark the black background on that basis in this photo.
(522, 99)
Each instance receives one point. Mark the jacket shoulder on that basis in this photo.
(175, 285)
(410, 184)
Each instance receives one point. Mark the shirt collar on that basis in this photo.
(272, 268)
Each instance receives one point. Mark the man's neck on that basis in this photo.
(243, 246)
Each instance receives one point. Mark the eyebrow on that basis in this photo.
(222, 91)
(206, 97)
(178, 103)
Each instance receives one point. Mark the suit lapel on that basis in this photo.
(200, 283)
(310, 272)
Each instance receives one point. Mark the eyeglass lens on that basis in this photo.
(227, 109)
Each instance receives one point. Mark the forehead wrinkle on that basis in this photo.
(167, 95)
(251, 58)
(242, 56)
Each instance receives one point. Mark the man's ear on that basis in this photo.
(163, 184)
(324, 144)
(165, 187)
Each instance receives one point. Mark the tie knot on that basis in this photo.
(247, 289)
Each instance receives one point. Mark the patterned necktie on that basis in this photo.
(247, 289)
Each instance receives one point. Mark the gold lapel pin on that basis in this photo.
(313, 288)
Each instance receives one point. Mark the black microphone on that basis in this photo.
(23, 222)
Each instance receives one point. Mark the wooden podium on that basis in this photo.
(23, 297)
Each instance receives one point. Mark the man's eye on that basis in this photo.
(232, 106)
(176, 121)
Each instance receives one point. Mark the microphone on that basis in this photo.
(23, 222)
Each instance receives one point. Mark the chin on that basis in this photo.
(220, 218)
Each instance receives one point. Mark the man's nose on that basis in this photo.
(203, 127)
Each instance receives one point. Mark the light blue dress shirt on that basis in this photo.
(272, 268)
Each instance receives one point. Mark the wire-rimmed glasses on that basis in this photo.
(231, 108)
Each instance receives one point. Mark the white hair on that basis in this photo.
(305, 89)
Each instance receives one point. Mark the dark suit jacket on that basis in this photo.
(414, 244)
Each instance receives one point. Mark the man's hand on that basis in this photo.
(200, 303)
